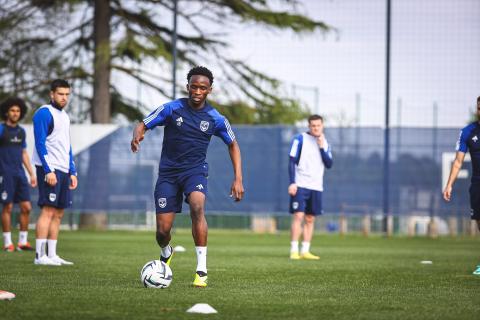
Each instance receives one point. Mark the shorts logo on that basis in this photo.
(162, 202)
(295, 205)
(52, 197)
(204, 125)
(4, 195)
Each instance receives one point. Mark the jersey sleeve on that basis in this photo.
(294, 156)
(42, 121)
(24, 143)
(462, 141)
(326, 154)
(158, 117)
(223, 129)
(72, 170)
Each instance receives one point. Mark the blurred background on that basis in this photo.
(395, 81)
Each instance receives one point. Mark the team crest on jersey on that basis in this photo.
(295, 205)
(475, 139)
(179, 121)
(4, 195)
(52, 197)
(162, 202)
(204, 125)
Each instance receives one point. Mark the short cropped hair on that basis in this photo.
(200, 71)
(59, 83)
(314, 117)
(10, 102)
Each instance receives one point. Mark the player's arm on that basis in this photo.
(158, 117)
(138, 135)
(28, 167)
(72, 172)
(325, 151)
(456, 166)
(294, 155)
(236, 190)
(42, 121)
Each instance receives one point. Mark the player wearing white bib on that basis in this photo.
(310, 154)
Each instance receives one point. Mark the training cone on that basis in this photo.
(202, 308)
(5, 295)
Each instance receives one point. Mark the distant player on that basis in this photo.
(14, 186)
(189, 125)
(469, 140)
(310, 154)
(56, 172)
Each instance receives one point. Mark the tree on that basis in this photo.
(88, 42)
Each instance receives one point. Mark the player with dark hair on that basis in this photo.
(310, 154)
(56, 171)
(469, 140)
(189, 125)
(14, 186)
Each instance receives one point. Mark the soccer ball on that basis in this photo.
(156, 274)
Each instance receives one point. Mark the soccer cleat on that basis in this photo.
(45, 261)
(61, 261)
(294, 255)
(25, 247)
(477, 271)
(9, 248)
(168, 259)
(200, 279)
(309, 256)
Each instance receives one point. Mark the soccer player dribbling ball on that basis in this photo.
(189, 124)
(468, 141)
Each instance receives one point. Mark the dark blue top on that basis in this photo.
(187, 134)
(469, 140)
(12, 144)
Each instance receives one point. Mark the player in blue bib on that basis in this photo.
(469, 140)
(189, 124)
(14, 186)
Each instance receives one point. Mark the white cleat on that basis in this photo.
(61, 261)
(46, 261)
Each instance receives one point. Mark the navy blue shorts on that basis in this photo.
(169, 191)
(14, 188)
(475, 200)
(58, 196)
(308, 201)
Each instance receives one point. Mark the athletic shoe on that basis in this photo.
(309, 256)
(9, 248)
(25, 247)
(61, 261)
(477, 271)
(200, 279)
(5, 295)
(45, 261)
(294, 256)
(168, 259)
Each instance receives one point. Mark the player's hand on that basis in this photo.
(135, 144)
(51, 179)
(447, 193)
(321, 141)
(138, 135)
(237, 190)
(292, 189)
(33, 181)
(73, 182)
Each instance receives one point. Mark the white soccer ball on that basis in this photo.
(156, 274)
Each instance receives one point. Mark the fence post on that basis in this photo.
(366, 224)
(432, 228)
(389, 225)
(343, 225)
(452, 226)
(411, 226)
(473, 228)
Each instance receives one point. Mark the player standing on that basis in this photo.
(14, 186)
(56, 172)
(468, 141)
(189, 125)
(310, 154)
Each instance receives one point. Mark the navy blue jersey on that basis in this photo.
(12, 144)
(187, 134)
(469, 140)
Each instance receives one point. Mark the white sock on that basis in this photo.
(7, 239)
(201, 259)
(40, 245)
(52, 248)
(22, 237)
(293, 246)
(305, 247)
(166, 251)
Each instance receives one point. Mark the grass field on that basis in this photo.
(250, 277)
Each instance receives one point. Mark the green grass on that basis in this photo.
(250, 277)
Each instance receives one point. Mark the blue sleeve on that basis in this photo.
(1, 129)
(327, 157)
(462, 140)
(42, 120)
(294, 156)
(223, 129)
(158, 117)
(24, 143)
(73, 170)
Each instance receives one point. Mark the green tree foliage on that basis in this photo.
(45, 39)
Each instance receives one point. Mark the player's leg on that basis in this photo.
(23, 244)
(475, 209)
(53, 233)
(297, 209)
(313, 208)
(41, 235)
(6, 223)
(163, 235)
